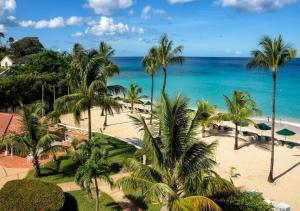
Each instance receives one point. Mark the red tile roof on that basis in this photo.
(10, 123)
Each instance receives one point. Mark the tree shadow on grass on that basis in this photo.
(70, 203)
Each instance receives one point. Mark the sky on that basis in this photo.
(229, 28)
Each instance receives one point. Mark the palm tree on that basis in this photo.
(239, 109)
(151, 65)
(168, 55)
(180, 176)
(273, 54)
(89, 85)
(133, 95)
(108, 108)
(36, 137)
(95, 167)
(207, 115)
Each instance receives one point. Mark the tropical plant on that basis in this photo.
(239, 110)
(89, 87)
(10, 41)
(36, 137)
(95, 166)
(207, 115)
(168, 55)
(133, 95)
(180, 176)
(272, 55)
(151, 65)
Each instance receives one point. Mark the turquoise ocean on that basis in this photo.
(204, 78)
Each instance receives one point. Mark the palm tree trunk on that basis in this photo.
(270, 178)
(89, 123)
(97, 194)
(203, 131)
(105, 119)
(165, 78)
(152, 85)
(132, 107)
(236, 137)
(36, 166)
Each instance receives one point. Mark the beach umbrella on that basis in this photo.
(262, 127)
(285, 132)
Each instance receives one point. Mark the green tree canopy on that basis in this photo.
(26, 46)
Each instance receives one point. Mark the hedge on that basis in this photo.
(35, 195)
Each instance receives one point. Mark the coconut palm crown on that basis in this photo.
(180, 175)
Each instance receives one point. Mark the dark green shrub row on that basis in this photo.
(244, 202)
(31, 195)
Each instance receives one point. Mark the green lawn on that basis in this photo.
(79, 201)
(65, 168)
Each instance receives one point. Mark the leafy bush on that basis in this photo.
(31, 195)
(245, 202)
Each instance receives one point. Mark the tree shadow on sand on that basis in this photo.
(287, 171)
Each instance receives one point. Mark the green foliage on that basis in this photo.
(79, 201)
(180, 176)
(47, 62)
(118, 152)
(245, 202)
(26, 46)
(28, 88)
(31, 195)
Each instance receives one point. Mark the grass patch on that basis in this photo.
(64, 169)
(79, 201)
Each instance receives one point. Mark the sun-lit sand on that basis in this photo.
(252, 160)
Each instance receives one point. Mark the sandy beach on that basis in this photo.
(252, 160)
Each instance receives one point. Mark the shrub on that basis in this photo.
(23, 195)
(244, 201)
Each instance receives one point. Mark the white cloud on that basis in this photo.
(148, 11)
(107, 7)
(74, 20)
(179, 1)
(255, 5)
(2, 28)
(7, 6)
(137, 30)
(106, 26)
(77, 34)
(57, 22)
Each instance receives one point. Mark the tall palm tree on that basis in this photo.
(168, 55)
(133, 95)
(180, 176)
(151, 65)
(95, 166)
(239, 110)
(36, 137)
(89, 88)
(207, 115)
(272, 55)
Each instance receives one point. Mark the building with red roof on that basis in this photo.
(10, 123)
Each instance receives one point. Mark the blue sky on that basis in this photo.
(203, 27)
